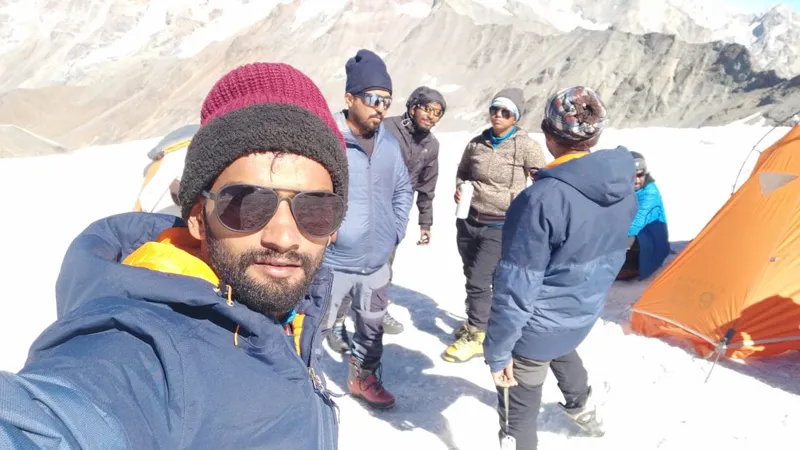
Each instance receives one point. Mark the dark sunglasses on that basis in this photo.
(435, 112)
(375, 100)
(640, 174)
(245, 207)
(493, 110)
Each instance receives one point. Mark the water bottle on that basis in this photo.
(466, 189)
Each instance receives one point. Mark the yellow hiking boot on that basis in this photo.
(468, 345)
(462, 330)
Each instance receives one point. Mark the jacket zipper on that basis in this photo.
(326, 426)
(371, 243)
(316, 383)
(369, 191)
(315, 379)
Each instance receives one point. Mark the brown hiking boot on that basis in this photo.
(365, 383)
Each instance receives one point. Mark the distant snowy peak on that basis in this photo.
(46, 42)
(771, 36)
(779, 20)
(775, 37)
(79, 37)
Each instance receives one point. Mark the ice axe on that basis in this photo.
(508, 442)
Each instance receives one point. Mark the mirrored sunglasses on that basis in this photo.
(245, 207)
(375, 100)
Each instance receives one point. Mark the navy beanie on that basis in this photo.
(366, 71)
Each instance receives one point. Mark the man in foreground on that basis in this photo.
(187, 333)
(563, 244)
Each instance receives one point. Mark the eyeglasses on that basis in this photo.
(640, 174)
(375, 100)
(244, 207)
(504, 112)
(435, 112)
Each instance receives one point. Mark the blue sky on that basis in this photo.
(761, 5)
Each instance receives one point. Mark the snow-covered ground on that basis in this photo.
(652, 395)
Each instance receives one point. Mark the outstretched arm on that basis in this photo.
(104, 389)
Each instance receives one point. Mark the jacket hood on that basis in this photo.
(425, 95)
(93, 268)
(341, 121)
(604, 176)
(405, 121)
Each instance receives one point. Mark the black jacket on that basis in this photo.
(421, 155)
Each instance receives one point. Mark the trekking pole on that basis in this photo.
(508, 442)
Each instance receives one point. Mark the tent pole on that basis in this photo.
(794, 117)
(720, 350)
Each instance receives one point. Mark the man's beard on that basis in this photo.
(369, 128)
(276, 297)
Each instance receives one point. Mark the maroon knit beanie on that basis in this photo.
(262, 107)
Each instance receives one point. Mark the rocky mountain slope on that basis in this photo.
(125, 69)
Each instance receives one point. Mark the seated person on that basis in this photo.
(648, 238)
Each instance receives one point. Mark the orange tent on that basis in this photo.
(735, 289)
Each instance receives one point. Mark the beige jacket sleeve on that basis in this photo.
(462, 173)
(534, 156)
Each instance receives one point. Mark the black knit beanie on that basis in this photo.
(261, 107)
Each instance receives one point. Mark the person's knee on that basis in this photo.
(344, 306)
(530, 373)
(378, 300)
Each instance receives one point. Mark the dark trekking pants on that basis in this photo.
(630, 268)
(349, 300)
(371, 294)
(479, 246)
(525, 399)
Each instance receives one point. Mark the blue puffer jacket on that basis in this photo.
(148, 352)
(650, 229)
(379, 202)
(651, 208)
(564, 241)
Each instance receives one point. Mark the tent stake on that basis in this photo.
(720, 350)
